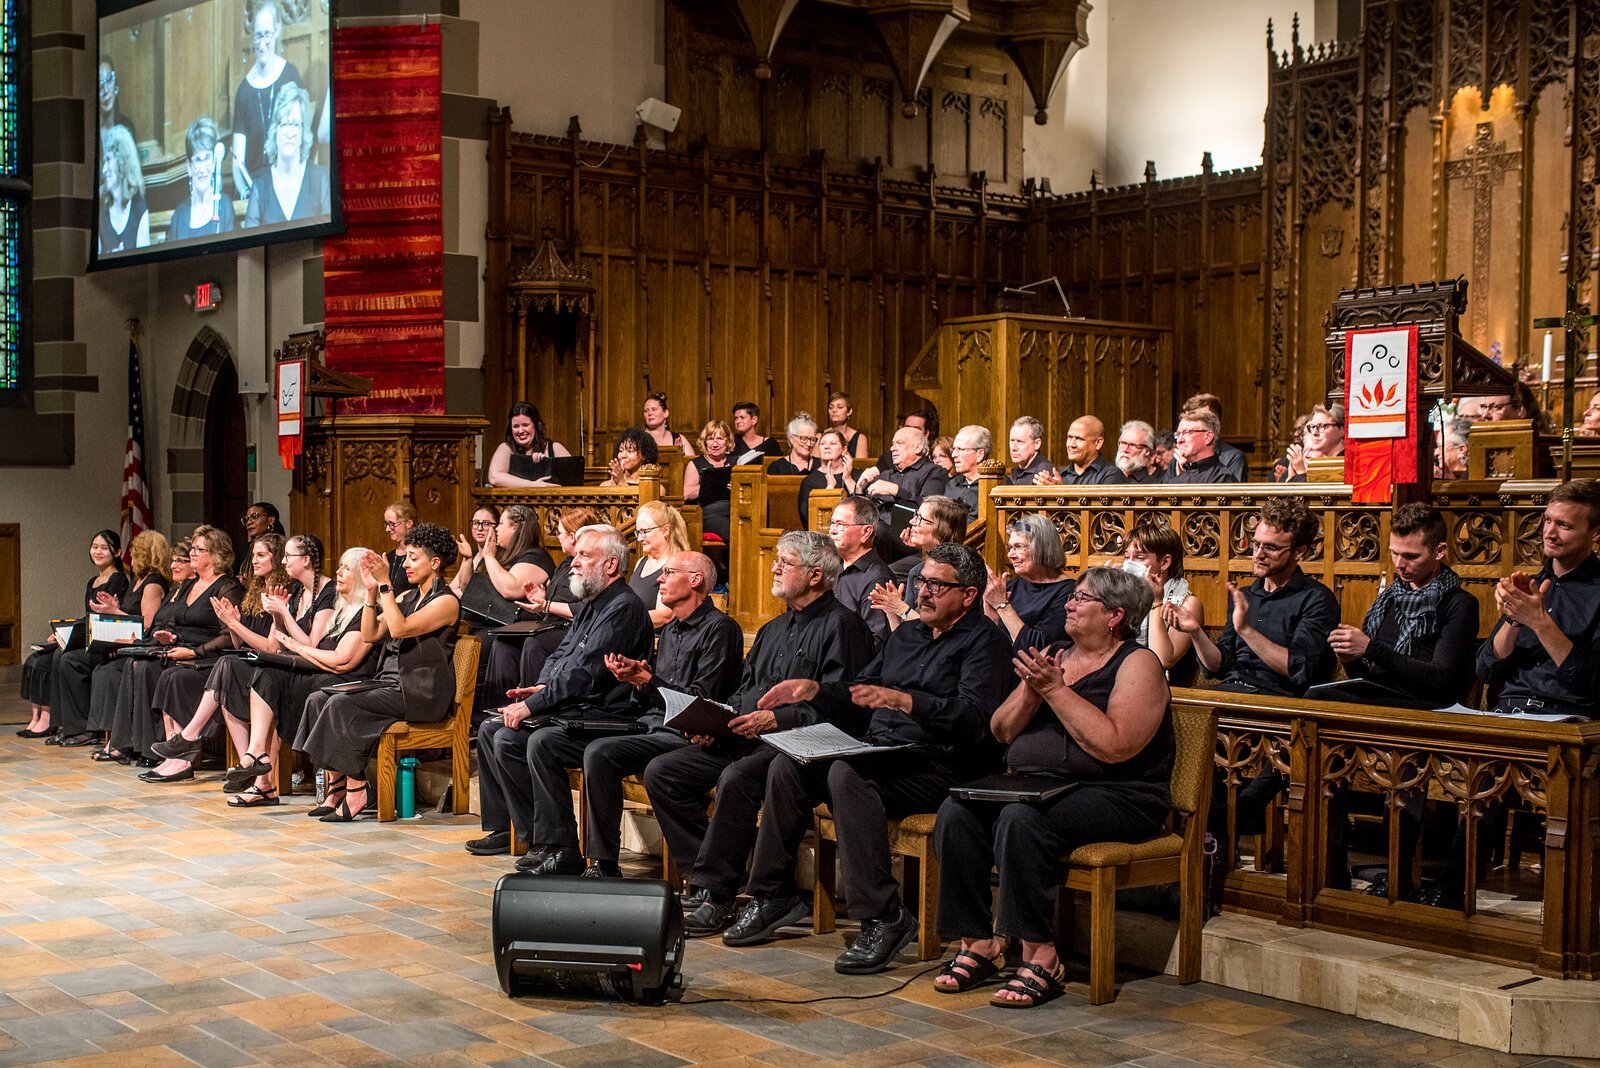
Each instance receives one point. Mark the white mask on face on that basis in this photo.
(1136, 568)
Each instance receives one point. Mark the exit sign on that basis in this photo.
(207, 297)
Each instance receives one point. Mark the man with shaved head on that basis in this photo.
(1085, 466)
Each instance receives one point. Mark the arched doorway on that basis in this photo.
(226, 478)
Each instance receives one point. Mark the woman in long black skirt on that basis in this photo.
(193, 632)
(276, 694)
(39, 670)
(105, 684)
(415, 680)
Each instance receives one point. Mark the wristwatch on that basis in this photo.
(383, 587)
(1001, 607)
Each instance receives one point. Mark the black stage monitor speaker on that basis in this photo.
(561, 936)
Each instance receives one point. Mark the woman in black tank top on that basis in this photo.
(1093, 711)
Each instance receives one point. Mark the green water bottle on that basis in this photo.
(406, 788)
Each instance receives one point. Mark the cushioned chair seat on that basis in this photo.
(1111, 854)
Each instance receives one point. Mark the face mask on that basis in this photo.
(1136, 568)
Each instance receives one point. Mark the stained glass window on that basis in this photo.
(15, 190)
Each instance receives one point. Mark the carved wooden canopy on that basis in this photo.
(320, 379)
(547, 283)
(1040, 36)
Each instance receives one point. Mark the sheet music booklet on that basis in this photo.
(822, 741)
(693, 714)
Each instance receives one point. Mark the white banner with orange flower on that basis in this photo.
(1380, 411)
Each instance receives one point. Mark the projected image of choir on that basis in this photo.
(124, 216)
(290, 187)
(206, 213)
(256, 99)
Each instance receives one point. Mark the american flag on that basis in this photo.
(135, 490)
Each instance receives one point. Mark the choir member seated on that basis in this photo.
(970, 448)
(1094, 714)
(415, 679)
(840, 412)
(1136, 451)
(657, 420)
(815, 637)
(932, 689)
(700, 486)
(1154, 552)
(1028, 460)
(832, 471)
(913, 476)
(1321, 437)
(39, 670)
(661, 532)
(480, 542)
(1232, 459)
(574, 684)
(635, 449)
(853, 528)
(1031, 604)
(749, 444)
(939, 520)
(527, 437)
(802, 435)
(1195, 459)
(398, 519)
(699, 653)
(1085, 466)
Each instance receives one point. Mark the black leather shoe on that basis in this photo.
(178, 748)
(879, 940)
(177, 776)
(77, 740)
(54, 739)
(710, 917)
(147, 762)
(490, 845)
(532, 858)
(694, 899)
(762, 917)
(559, 861)
(602, 869)
(26, 733)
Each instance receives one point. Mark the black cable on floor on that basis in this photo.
(812, 1001)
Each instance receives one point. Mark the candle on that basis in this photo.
(1547, 357)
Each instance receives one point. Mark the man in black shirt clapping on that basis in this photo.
(815, 638)
(932, 689)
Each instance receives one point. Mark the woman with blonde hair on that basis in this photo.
(124, 216)
(661, 531)
(290, 186)
(150, 567)
(716, 437)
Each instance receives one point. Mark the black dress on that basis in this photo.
(645, 587)
(230, 676)
(416, 680)
(1042, 607)
(78, 671)
(135, 723)
(713, 500)
(38, 671)
(108, 677)
(285, 692)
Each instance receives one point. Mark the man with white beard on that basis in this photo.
(1136, 451)
(574, 683)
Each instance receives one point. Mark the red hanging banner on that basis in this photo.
(291, 410)
(1380, 378)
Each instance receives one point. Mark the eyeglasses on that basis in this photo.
(800, 439)
(198, 550)
(1132, 446)
(481, 524)
(788, 565)
(642, 531)
(263, 35)
(919, 521)
(676, 571)
(1267, 548)
(1079, 597)
(840, 524)
(965, 448)
(287, 124)
(1320, 428)
(938, 586)
(390, 524)
(1189, 431)
(252, 517)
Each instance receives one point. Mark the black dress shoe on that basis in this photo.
(532, 858)
(694, 899)
(710, 917)
(177, 776)
(880, 939)
(77, 740)
(761, 919)
(178, 748)
(492, 844)
(54, 739)
(558, 861)
(602, 869)
(26, 733)
(148, 762)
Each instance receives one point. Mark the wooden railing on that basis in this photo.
(763, 508)
(616, 505)
(1475, 764)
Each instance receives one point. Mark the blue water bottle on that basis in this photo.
(406, 789)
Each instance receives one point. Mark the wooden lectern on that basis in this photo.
(354, 466)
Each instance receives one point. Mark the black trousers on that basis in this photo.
(606, 762)
(69, 708)
(1026, 843)
(505, 787)
(864, 793)
(713, 853)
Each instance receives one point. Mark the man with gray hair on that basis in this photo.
(575, 683)
(802, 432)
(1136, 451)
(912, 477)
(971, 448)
(815, 637)
(699, 653)
(933, 688)
(1026, 441)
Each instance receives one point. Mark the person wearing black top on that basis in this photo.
(1085, 466)
(913, 476)
(710, 493)
(802, 432)
(853, 528)
(816, 638)
(1194, 451)
(1026, 442)
(933, 687)
(1276, 637)
(1031, 604)
(1543, 654)
(574, 683)
(39, 670)
(1136, 451)
(971, 448)
(1420, 637)
(1095, 713)
(699, 653)
(749, 444)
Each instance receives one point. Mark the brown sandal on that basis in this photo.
(1038, 985)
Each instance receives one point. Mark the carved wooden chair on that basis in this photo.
(452, 734)
(1100, 869)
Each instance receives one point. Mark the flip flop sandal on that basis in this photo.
(1039, 985)
(979, 971)
(263, 798)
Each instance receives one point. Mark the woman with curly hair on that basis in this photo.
(150, 567)
(105, 684)
(635, 449)
(415, 679)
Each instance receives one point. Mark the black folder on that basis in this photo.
(1011, 787)
(484, 603)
